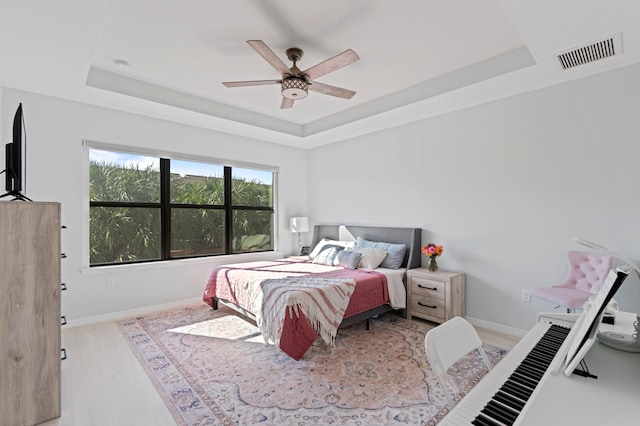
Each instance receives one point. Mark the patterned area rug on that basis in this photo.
(214, 368)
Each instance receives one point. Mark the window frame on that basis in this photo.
(165, 205)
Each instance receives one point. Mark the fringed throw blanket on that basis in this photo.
(323, 301)
(296, 334)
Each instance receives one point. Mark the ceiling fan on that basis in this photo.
(295, 83)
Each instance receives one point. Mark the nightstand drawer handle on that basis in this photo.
(427, 306)
(428, 288)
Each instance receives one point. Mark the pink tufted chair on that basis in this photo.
(587, 272)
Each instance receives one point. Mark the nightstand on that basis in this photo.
(435, 296)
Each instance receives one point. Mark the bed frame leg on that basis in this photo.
(215, 303)
(367, 322)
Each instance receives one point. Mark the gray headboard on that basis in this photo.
(411, 237)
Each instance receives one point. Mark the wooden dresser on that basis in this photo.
(30, 312)
(435, 296)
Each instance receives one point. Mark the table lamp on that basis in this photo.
(299, 225)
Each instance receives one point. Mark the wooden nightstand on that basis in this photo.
(435, 296)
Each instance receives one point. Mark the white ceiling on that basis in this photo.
(418, 58)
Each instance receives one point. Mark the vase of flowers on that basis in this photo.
(432, 251)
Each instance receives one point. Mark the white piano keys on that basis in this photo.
(472, 404)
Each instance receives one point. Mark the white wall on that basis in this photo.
(503, 186)
(3, 119)
(57, 167)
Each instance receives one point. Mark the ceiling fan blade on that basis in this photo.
(331, 90)
(286, 103)
(251, 83)
(342, 60)
(264, 51)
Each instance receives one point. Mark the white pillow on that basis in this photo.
(344, 234)
(371, 257)
(348, 245)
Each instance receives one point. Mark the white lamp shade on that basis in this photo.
(299, 224)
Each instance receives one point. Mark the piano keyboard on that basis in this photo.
(502, 394)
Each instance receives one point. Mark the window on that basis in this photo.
(145, 208)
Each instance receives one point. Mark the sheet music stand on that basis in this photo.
(583, 333)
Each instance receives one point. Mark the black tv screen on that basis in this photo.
(13, 151)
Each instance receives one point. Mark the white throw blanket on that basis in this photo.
(322, 300)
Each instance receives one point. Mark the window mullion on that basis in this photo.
(228, 211)
(165, 209)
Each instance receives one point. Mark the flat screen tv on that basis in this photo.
(15, 159)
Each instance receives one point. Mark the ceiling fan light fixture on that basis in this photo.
(294, 88)
(294, 84)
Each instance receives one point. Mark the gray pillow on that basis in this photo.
(348, 259)
(395, 252)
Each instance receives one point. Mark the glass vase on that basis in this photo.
(432, 265)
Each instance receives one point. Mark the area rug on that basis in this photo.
(214, 368)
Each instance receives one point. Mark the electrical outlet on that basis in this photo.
(111, 282)
(526, 297)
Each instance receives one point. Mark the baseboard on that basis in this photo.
(114, 316)
(494, 326)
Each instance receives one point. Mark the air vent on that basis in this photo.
(610, 46)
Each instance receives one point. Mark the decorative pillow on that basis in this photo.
(323, 242)
(348, 259)
(327, 255)
(371, 257)
(395, 252)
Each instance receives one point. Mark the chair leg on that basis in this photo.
(445, 391)
(483, 354)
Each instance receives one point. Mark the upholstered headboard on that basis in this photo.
(411, 237)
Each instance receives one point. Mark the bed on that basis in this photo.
(294, 300)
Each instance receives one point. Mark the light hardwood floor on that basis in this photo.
(104, 385)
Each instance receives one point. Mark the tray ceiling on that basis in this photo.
(418, 58)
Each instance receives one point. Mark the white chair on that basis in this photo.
(447, 343)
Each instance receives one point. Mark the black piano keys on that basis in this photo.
(505, 406)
